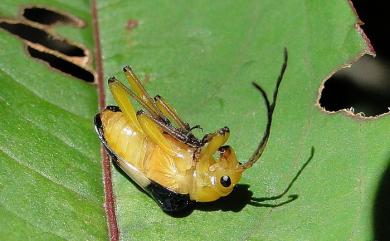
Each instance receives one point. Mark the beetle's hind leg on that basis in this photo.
(122, 97)
(159, 110)
(170, 112)
(143, 96)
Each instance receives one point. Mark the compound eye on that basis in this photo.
(225, 181)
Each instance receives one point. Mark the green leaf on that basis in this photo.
(50, 176)
(202, 56)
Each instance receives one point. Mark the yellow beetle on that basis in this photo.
(157, 150)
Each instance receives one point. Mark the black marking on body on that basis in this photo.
(168, 200)
(113, 108)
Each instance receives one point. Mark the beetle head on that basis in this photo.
(226, 171)
(216, 178)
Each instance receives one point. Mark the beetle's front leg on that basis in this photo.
(219, 136)
(170, 112)
(211, 142)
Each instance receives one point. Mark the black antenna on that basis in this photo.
(270, 110)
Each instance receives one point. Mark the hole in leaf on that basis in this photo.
(39, 36)
(48, 16)
(365, 87)
(62, 65)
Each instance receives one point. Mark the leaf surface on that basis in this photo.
(50, 177)
(202, 56)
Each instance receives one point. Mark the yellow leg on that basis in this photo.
(122, 98)
(170, 112)
(140, 91)
(113, 82)
(155, 133)
(156, 110)
(214, 141)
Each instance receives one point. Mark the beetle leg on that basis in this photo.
(121, 96)
(113, 82)
(212, 142)
(141, 93)
(154, 132)
(170, 112)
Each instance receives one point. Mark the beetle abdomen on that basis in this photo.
(168, 199)
(131, 145)
(136, 148)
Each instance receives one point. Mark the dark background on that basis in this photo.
(365, 86)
